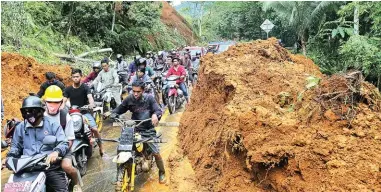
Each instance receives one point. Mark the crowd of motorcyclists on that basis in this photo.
(48, 111)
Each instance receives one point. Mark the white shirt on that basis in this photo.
(69, 129)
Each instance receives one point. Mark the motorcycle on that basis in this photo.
(174, 97)
(28, 171)
(101, 105)
(124, 85)
(194, 75)
(82, 147)
(134, 157)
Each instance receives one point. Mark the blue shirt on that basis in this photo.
(27, 140)
(132, 67)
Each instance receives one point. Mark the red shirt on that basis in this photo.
(180, 72)
(90, 77)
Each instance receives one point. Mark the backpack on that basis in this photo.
(63, 115)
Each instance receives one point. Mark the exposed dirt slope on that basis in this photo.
(253, 125)
(173, 19)
(23, 75)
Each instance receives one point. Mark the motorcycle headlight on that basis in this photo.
(77, 122)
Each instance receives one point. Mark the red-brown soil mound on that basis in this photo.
(23, 75)
(256, 123)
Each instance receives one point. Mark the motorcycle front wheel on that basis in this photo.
(98, 120)
(82, 165)
(172, 104)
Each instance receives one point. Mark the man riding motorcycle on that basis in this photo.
(142, 63)
(79, 94)
(28, 137)
(149, 59)
(179, 70)
(94, 74)
(122, 69)
(140, 75)
(132, 66)
(195, 66)
(53, 100)
(143, 107)
(108, 77)
(161, 61)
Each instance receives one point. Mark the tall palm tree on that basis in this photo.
(301, 15)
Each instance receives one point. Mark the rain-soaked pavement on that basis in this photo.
(101, 171)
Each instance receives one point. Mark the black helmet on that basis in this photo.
(137, 57)
(32, 102)
(141, 61)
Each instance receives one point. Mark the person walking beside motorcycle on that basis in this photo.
(110, 79)
(144, 107)
(94, 74)
(28, 137)
(179, 70)
(122, 69)
(79, 94)
(53, 100)
(50, 80)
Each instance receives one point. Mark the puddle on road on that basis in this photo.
(102, 171)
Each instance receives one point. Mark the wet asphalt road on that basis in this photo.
(101, 172)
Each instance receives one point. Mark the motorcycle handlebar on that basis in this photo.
(141, 121)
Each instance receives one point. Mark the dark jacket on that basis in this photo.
(141, 109)
(46, 84)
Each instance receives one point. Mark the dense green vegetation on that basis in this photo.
(39, 29)
(337, 35)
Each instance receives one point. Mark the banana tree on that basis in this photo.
(300, 15)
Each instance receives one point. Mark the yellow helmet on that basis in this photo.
(53, 94)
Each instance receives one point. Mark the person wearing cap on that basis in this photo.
(96, 69)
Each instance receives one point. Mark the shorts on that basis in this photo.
(68, 155)
(91, 121)
(153, 146)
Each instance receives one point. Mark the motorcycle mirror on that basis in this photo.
(4, 144)
(49, 140)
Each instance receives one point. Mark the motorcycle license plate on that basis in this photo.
(18, 186)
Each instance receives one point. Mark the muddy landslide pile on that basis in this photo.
(23, 75)
(263, 119)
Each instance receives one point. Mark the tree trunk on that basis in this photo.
(113, 19)
(356, 20)
(303, 44)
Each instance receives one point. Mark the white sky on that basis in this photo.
(176, 2)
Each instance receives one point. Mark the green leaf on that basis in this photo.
(312, 81)
(334, 33)
(341, 30)
(349, 31)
